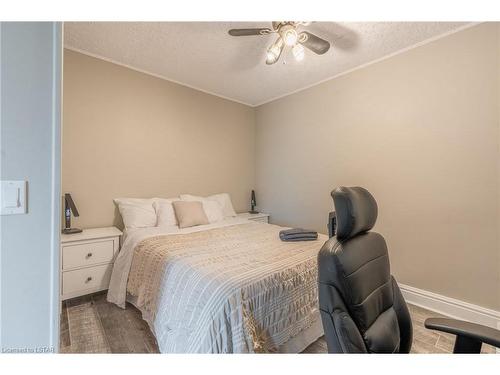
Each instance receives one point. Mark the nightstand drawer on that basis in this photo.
(96, 278)
(261, 219)
(87, 254)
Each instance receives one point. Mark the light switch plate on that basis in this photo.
(13, 197)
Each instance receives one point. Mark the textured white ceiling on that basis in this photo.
(202, 54)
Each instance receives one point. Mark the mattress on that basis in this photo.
(233, 287)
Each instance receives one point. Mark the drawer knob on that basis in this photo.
(89, 255)
(89, 279)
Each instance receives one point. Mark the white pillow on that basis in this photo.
(213, 209)
(223, 198)
(165, 212)
(137, 213)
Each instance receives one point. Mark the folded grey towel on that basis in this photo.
(298, 239)
(298, 234)
(293, 231)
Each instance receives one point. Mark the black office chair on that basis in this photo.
(362, 308)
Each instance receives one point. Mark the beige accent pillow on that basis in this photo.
(189, 214)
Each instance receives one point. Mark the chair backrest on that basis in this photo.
(361, 306)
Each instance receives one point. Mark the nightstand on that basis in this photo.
(262, 217)
(87, 260)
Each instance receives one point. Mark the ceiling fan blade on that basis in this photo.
(314, 43)
(249, 32)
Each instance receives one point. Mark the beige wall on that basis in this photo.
(130, 134)
(420, 131)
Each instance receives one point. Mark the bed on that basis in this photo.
(227, 287)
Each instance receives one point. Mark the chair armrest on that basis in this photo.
(472, 331)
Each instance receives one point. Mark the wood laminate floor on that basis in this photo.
(90, 324)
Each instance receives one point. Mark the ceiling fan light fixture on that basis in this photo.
(298, 52)
(287, 36)
(274, 51)
(290, 36)
(271, 58)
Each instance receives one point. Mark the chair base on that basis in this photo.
(467, 345)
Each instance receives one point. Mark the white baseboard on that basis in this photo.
(451, 307)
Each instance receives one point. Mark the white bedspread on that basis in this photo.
(226, 287)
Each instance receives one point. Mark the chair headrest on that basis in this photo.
(355, 209)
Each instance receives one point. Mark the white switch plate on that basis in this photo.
(13, 197)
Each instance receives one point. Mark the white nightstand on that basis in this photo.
(262, 217)
(87, 260)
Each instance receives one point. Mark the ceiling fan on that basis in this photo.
(288, 35)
